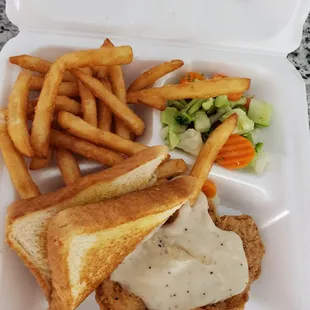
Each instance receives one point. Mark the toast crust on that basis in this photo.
(23, 207)
(57, 201)
(110, 215)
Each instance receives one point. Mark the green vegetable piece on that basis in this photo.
(164, 132)
(195, 107)
(183, 118)
(219, 113)
(168, 117)
(183, 101)
(191, 141)
(176, 104)
(260, 112)
(241, 108)
(260, 126)
(244, 124)
(260, 162)
(173, 139)
(190, 104)
(208, 104)
(202, 122)
(221, 101)
(240, 102)
(258, 147)
(212, 110)
(249, 137)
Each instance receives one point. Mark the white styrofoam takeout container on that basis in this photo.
(235, 37)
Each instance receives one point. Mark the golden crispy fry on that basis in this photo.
(68, 166)
(150, 76)
(121, 55)
(100, 72)
(76, 126)
(40, 163)
(67, 104)
(69, 89)
(104, 112)
(203, 89)
(37, 64)
(118, 108)
(88, 102)
(41, 125)
(86, 149)
(208, 153)
(15, 163)
(17, 114)
(171, 168)
(119, 90)
(62, 103)
(155, 102)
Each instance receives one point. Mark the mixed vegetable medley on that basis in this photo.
(188, 123)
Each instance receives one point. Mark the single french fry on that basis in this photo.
(121, 110)
(69, 89)
(104, 112)
(119, 90)
(41, 125)
(67, 104)
(202, 89)
(62, 103)
(88, 102)
(171, 168)
(16, 164)
(152, 101)
(68, 166)
(78, 127)
(150, 76)
(209, 152)
(84, 148)
(100, 72)
(40, 163)
(17, 114)
(121, 55)
(37, 64)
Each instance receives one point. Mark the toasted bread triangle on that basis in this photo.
(27, 220)
(85, 244)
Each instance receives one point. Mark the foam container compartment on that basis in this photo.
(234, 37)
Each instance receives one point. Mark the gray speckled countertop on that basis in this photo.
(300, 58)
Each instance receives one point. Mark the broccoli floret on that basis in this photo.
(183, 118)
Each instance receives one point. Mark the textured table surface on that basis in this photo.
(300, 58)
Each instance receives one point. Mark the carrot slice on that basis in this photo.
(247, 105)
(209, 189)
(234, 97)
(237, 153)
(192, 77)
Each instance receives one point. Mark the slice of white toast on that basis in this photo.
(86, 243)
(27, 220)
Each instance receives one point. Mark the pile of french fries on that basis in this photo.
(82, 108)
